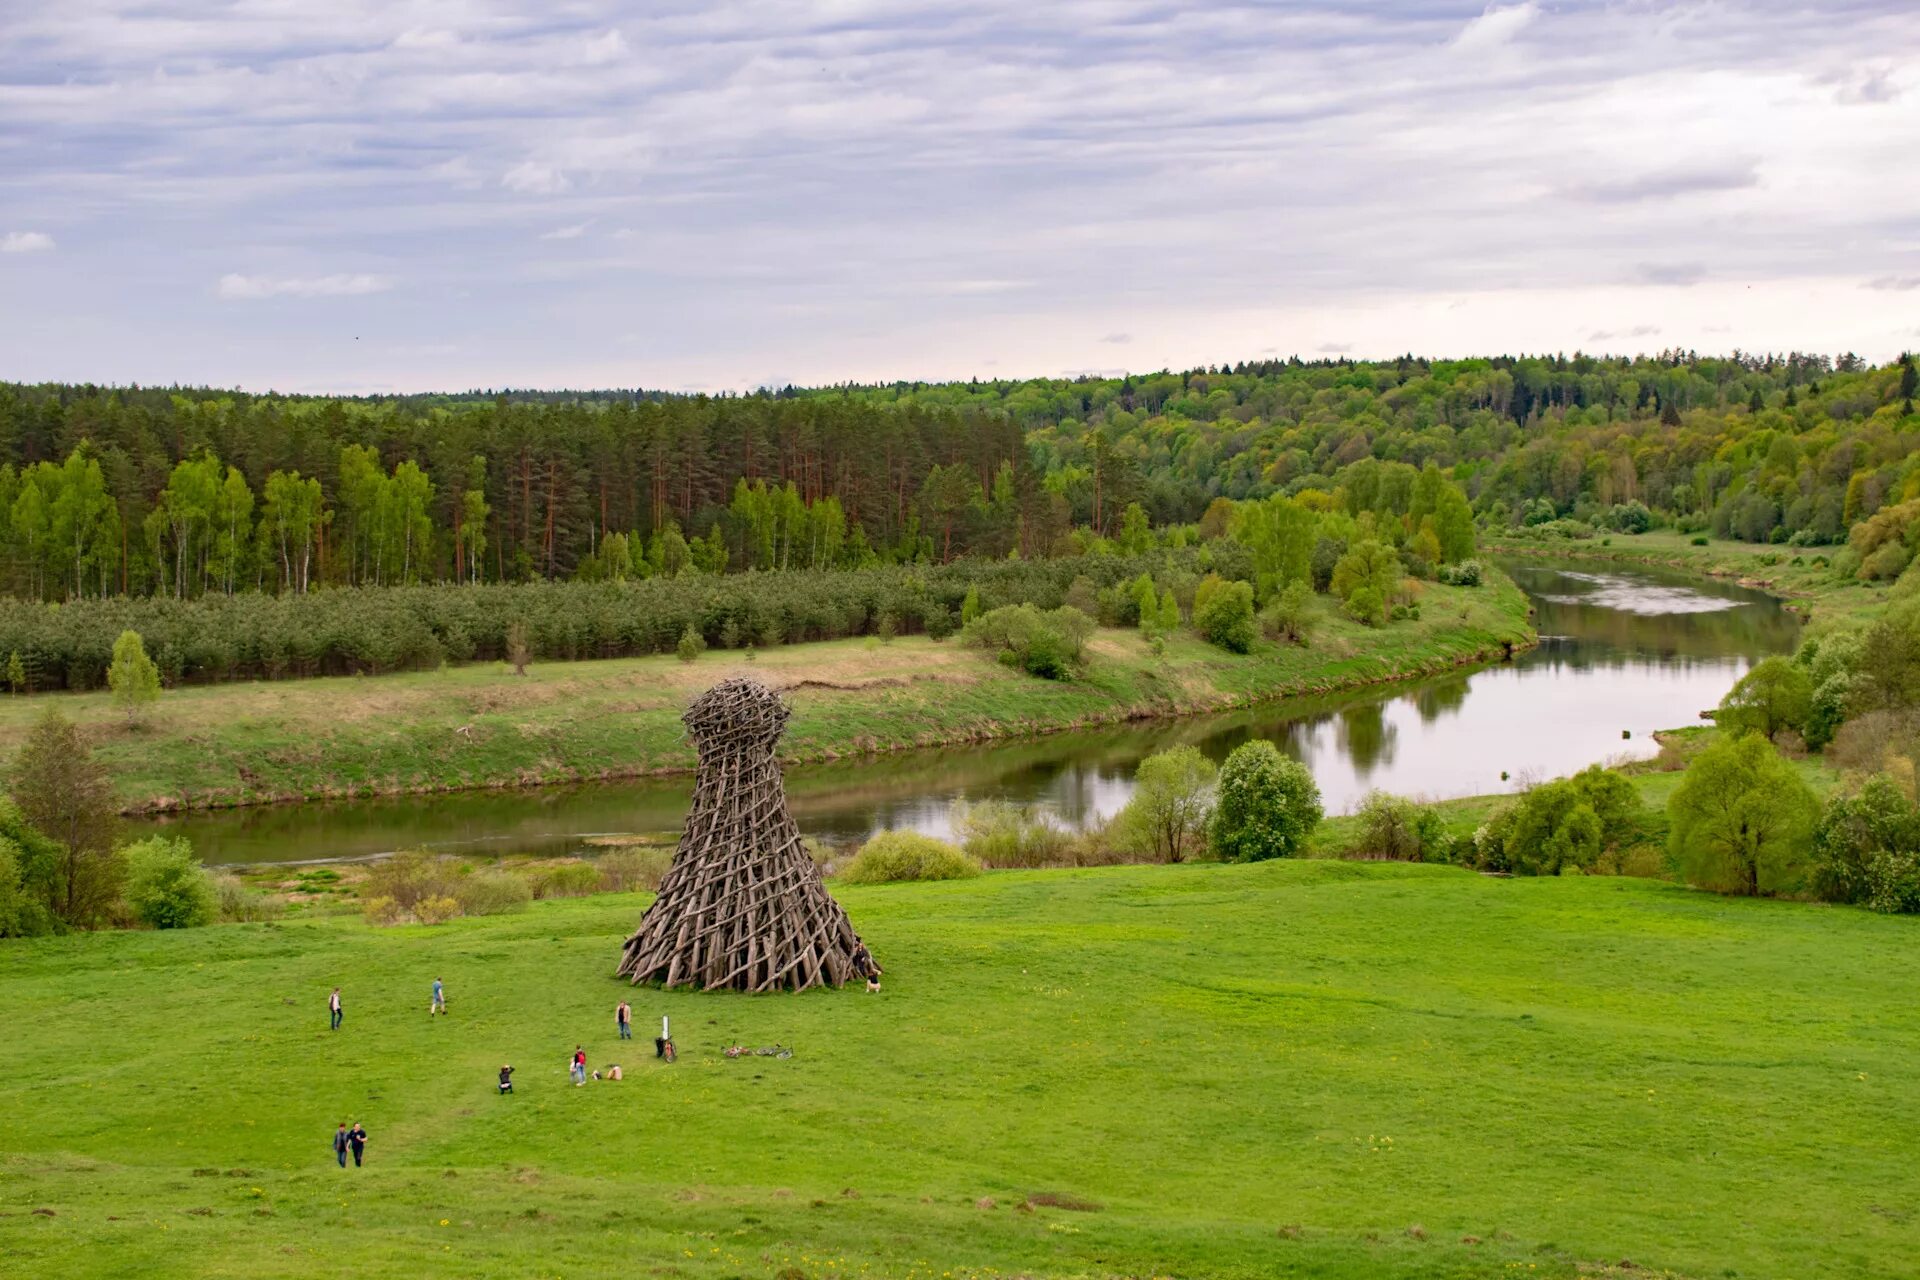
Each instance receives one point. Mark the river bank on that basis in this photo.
(481, 727)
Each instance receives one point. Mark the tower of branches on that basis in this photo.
(743, 907)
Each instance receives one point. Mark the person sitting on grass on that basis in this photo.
(506, 1079)
(865, 965)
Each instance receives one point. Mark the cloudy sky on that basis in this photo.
(368, 195)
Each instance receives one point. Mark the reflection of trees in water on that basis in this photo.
(1755, 627)
(1367, 737)
(1439, 698)
(1568, 653)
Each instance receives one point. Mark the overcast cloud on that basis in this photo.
(409, 194)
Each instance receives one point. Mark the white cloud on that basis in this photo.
(536, 179)
(236, 287)
(25, 242)
(602, 49)
(1498, 25)
(573, 232)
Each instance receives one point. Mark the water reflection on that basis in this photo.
(1622, 650)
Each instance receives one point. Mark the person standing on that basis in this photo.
(439, 1004)
(506, 1077)
(334, 1013)
(579, 1065)
(624, 1016)
(341, 1140)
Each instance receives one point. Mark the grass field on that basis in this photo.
(1298, 1069)
(480, 726)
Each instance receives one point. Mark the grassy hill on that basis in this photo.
(1298, 1069)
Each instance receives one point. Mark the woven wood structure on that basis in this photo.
(743, 907)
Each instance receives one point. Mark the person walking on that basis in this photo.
(579, 1065)
(506, 1078)
(341, 1140)
(439, 1004)
(334, 1013)
(624, 1016)
(357, 1137)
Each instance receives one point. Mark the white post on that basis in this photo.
(663, 1028)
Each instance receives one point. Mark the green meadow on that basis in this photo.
(1291, 1069)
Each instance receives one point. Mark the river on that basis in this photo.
(1622, 651)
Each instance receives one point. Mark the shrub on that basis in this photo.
(1172, 800)
(436, 910)
(1866, 846)
(1468, 573)
(567, 880)
(240, 905)
(1776, 694)
(1396, 829)
(411, 877)
(1699, 540)
(895, 856)
(133, 678)
(1224, 616)
(382, 910)
(1367, 606)
(1267, 805)
(492, 893)
(1568, 824)
(691, 644)
(626, 870)
(166, 885)
(998, 834)
(1041, 643)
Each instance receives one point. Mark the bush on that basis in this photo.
(627, 870)
(1866, 848)
(410, 878)
(1290, 616)
(383, 910)
(1741, 819)
(436, 910)
(1041, 643)
(1776, 694)
(492, 893)
(1172, 801)
(1266, 807)
(1396, 829)
(894, 856)
(691, 644)
(166, 885)
(567, 880)
(1568, 824)
(1224, 616)
(1367, 606)
(240, 905)
(1468, 573)
(998, 834)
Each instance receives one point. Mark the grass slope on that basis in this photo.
(480, 726)
(1284, 1070)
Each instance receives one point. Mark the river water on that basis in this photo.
(1621, 651)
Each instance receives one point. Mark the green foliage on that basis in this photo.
(1291, 615)
(64, 794)
(1775, 695)
(1866, 848)
(628, 870)
(132, 677)
(997, 834)
(691, 644)
(30, 870)
(1367, 566)
(492, 893)
(166, 885)
(1396, 829)
(1044, 643)
(411, 877)
(1367, 606)
(1557, 826)
(894, 856)
(566, 880)
(970, 604)
(1266, 805)
(1172, 801)
(1224, 615)
(1741, 819)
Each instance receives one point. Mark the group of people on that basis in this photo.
(345, 1140)
(354, 1139)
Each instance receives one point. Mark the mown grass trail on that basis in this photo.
(1251, 1071)
(480, 726)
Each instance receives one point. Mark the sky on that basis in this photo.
(366, 196)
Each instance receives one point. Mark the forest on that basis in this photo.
(193, 492)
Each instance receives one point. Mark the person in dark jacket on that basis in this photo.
(358, 1137)
(341, 1141)
(506, 1079)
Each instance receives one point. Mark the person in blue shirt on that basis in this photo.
(439, 1004)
